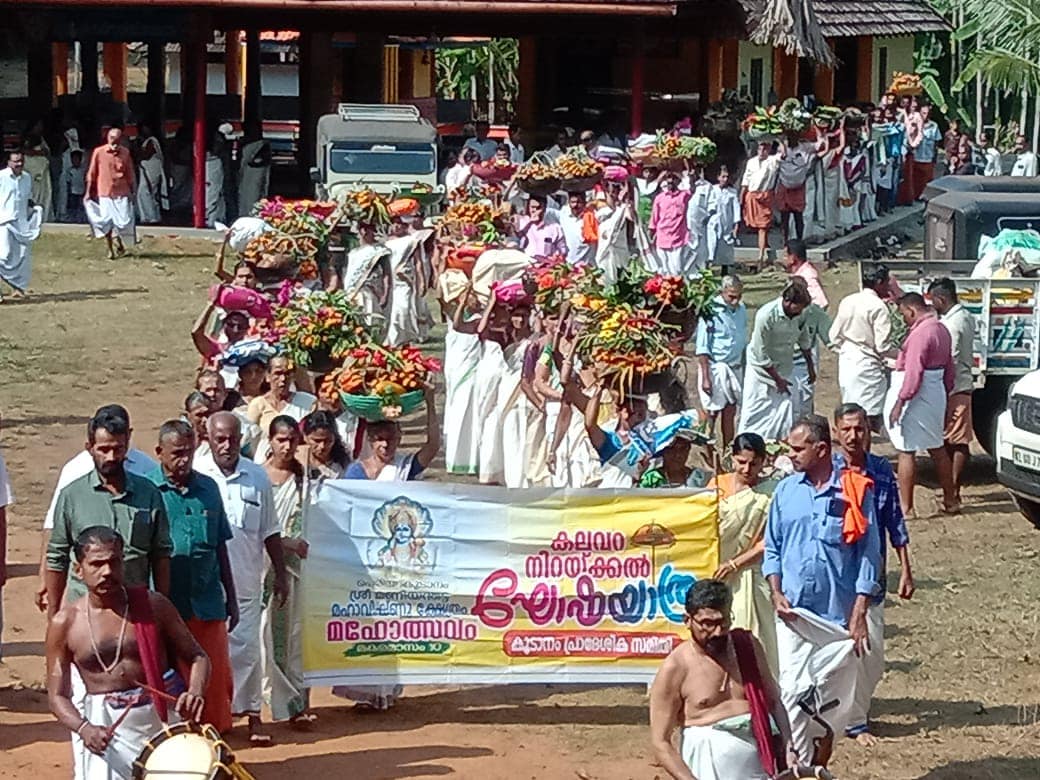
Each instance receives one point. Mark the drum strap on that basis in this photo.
(147, 633)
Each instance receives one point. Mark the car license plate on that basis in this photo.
(1027, 459)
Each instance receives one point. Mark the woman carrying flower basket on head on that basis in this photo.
(280, 399)
(493, 332)
(367, 279)
(462, 349)
(403, 325)
(613, 436)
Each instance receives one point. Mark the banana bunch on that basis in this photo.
(366, 205)
(469, 213)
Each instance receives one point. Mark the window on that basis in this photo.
(755, 80)
(882, 70)
(405, 159)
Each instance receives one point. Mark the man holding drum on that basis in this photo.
(120, 640)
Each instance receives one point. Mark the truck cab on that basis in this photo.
(390, 149)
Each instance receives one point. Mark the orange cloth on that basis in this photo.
(855, 486)
(111, 173)
(212, 636)
(724, 483)
(589, 227)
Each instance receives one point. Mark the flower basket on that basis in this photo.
(539, 187)
(494, 173)
(374, 408)
(316, 330)
(581, 184)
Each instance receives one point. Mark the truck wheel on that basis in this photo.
(987, 403)
(1031, 509)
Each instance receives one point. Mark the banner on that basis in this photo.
(449, 583)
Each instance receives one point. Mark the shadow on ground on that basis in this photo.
(987, 769)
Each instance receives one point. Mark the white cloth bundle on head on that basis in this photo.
(242, 231)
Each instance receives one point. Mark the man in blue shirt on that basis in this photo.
(853, 429)
(822, 568)
(719, 347)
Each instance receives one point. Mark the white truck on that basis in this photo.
(1007, 324)
(391, 149)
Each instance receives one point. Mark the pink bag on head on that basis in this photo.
(231, 298)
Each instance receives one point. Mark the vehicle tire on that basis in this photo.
(1029, 508)
(987, 403)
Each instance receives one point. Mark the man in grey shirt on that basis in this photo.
(110, 496)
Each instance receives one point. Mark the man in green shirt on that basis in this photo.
(201, 586)
(109, 496)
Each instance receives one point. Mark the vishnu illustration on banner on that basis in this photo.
(404, 526)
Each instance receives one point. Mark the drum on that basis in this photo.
(188, 751)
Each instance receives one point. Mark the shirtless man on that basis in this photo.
(700, 689)
(120, 640)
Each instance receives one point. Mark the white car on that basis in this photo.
(1018, 446)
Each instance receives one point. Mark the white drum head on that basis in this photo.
(182, 757)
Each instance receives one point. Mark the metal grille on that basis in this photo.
(1025, 413)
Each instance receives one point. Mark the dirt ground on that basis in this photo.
(960, 700)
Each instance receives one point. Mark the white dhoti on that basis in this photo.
(862, 379)
(16, 238)
(152, 194)
(764, 409)
(924, 416)
(461, 429)
(108, 215)
(726, 386)
(674, 261)
(129, 738)
(697, 253)
(815, 652)
(871, 670)
(244, 649)
(719, 244)
(403, 327)
(723, 751)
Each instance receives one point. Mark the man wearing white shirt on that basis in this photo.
(1025, 161)
(994, 165)
(481, 144)
(572, 219)
(249, 505)
(137, 462)
(756, 194)
(19, 224)
(459, 174)
(517, 153)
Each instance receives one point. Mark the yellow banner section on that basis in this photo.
(441, 583)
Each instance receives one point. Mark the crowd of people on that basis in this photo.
(213, 524)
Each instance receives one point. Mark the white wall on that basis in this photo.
(746, 53)
(900, 57)
(275, 80)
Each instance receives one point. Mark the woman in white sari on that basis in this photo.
(404, 311)
(366, 279)
(151, 190)
(385, 464)
(461, 356)
(282, 623)
(612, 251)
(513, 407)
(743, 507)
(493, 332)
(37, 156)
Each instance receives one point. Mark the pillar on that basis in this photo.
(391, 74)
(864, 67)
(251, 92)
(315, 67)
(232, 62)
(114, 65)
(785, 74)
(823, 85)
(156, 88)
(88, 62)
(60, 68)
(196, 51)
(638, 79)
(527, 82)
(722, 68)
(41, 79)
(366, 72)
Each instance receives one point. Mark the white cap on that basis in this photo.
(226, 130)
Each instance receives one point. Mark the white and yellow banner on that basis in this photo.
(447, 583)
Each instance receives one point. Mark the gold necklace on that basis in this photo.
(109, 668)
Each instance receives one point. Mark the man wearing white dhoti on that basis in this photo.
(766, 405)
(822, 561)
(110, 193)
(719, 344)
(697, 216)
(723, 221)
(249, 506)
(152, 194)
(862, 334)
(850, 423)
(19, 225)
(118, 638)
(915, 407)
(727, 726)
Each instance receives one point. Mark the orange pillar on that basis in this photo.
(233, 62)
(864, 67)
(723, 67)
(785, 74)
(527, 78)
(60, 66)
(823, 85)
(114, 66)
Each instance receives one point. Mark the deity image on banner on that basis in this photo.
(403, 527)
